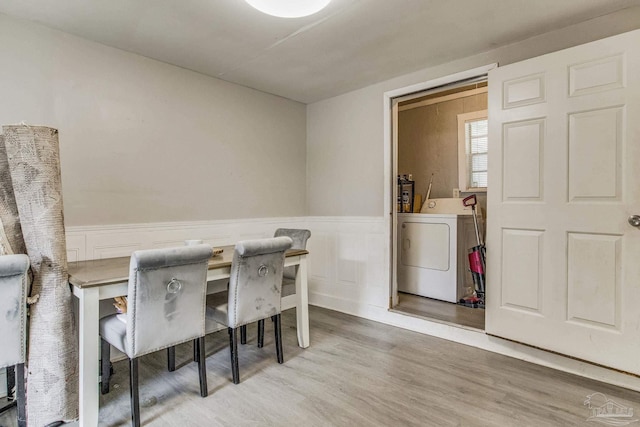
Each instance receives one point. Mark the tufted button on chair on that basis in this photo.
(13, 322)
(254, 294)
(165, 307)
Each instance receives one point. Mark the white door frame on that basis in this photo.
(390, 157)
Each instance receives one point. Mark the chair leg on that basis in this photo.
(233, 346)
(21, 397)
(202, 366)
(11, 383)
(261, 333)
(243, 334)
(105, 366)
(135, 397)
(278, 332)
(171, 358)
(196, 351)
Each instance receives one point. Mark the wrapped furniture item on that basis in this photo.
(34, 163)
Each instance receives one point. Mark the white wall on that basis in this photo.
(345, 150)
(143, 141)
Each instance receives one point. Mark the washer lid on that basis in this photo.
(445, 206)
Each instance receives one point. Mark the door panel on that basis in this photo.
(595, 154)
(523, 159)
(521, 251)
(564, 164)
(594, 279)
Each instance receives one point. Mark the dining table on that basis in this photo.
(107, 278)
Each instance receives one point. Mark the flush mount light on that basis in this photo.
(289, 8)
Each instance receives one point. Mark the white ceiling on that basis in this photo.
(349, 45)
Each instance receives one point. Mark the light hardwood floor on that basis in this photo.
(356, 373)
(440, 310)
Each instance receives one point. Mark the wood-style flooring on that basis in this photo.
(440, 310)
(355, 373)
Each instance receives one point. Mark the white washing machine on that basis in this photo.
(433, 248)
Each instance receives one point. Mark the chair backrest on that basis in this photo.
(166, 297)
(255, 284)
(13, 308)
(299, 237)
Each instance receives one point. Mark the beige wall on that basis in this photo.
(428, 143)
(345, 134)
(142, 141)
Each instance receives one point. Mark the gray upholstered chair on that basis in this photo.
(13, 322)
(165, 307)
(255, 287)
(299, 237)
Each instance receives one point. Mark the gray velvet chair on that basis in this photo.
(299, 237)
(13, 323)
(254, 293)
(166, 306)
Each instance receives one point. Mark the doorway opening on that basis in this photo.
(438, 158)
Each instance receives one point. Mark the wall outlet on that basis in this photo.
(456, 193)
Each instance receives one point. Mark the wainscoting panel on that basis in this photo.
(348, 261)
(348, 269)
(96, 242)
(76, 246)
(348, 258)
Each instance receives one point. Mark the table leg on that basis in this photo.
(89, 345)
(302, 303)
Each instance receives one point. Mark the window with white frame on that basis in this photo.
(473, 138)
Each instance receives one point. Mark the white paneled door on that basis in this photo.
(563, 259)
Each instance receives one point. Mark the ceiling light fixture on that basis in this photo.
(289, 8)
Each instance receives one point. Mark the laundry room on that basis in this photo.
(441, 203)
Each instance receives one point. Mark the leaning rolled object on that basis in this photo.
(34, 163)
